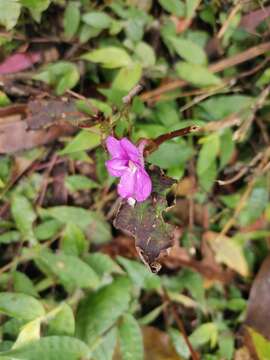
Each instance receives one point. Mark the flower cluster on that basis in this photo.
(127, 163)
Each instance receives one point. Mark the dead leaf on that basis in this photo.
(258, 314)
(227, 252)
(145, 220)
(19, 62)
(242, 354)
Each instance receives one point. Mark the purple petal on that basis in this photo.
(143, 185)
(116, 167)
(115, 149)
(132, 152)
(127, 184)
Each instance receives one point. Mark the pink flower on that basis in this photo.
(19, 62)
(128, 164)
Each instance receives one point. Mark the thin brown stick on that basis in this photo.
(232, 14)
(180, 324)
(220, 65)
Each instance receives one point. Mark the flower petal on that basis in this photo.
(116, 167)
(131, 150)
(115, 149)
(127, 184)
(143, 185)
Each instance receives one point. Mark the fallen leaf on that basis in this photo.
(228, 252)
(258, 315)
(19, 62)
(145, 220)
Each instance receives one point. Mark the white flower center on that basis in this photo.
(132, 166)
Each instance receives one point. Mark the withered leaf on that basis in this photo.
(258, 315)
(145, 221)
(44, 113)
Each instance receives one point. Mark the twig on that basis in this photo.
(220, 65)
(180, 324)
(153, 144)
(232, 14)
(133, 92)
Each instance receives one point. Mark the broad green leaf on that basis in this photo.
(20, 306)
(71, 18)
(176, 7)
(24, 216)
(262, 345)
(99, 311)
(84, 140)
(63, 75)
(73, 241)
(106, 348)
(47, 229)
(63, 323)
(51, 348)
(94, 225)
(102, 263)
(71, 271)
(171, 154)
(208, 153)
(145, 54)
(80, 182)
(188, 50)
(9, 13)
(196, 74)
(179, 343)
(226, 147)
(29, 332)
(228, 252)
(139, 274)
(205, 333)
(127, 77)
(110, 57)
(36, 7)
(226, 345)
(9, 237)
(207, 178)
(131, 340)
(4, 99)
(97, 19)
(23, 284)
(191, 6)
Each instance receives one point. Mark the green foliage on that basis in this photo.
(131, 342)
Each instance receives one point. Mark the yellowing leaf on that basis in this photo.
(228, 252)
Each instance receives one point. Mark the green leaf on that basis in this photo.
(196, 74)
(262, 345)
(131, 341)
(51, 348)
(63, 75)
(48, 229)
(63, 323)
(71, 18)
(171, 154)
(79, 182)
(36, 7)
(97, 19)
(127, 77)
(226, 345)
(204, 334)
(84, 140)
(226, 147)
(71, 271)
(106, 348)
(191, 6)
(22, 284)
(208, 153)
(110, 57)
(101, 263)
(73, 241)
(139, 274)
(99, 311)
(24, 216)
(20, 306)
(10, 237)
(179, 343)
(145, 54)
(9, 13)
(176, 7)
(94, 225)
(188, 50)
